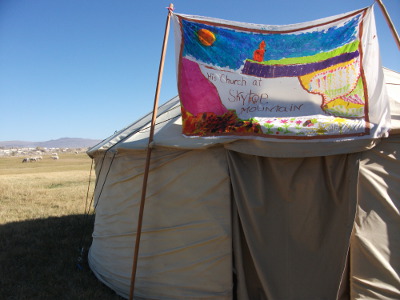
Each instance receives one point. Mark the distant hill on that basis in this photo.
(59, 143)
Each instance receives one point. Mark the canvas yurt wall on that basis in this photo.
(223, 222)
(185, 250)
(374, 255)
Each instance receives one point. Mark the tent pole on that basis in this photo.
(149, 149)
(390, 23)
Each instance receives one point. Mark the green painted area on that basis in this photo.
(351, 47)
(359, 90)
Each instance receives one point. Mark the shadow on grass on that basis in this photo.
(38, 260)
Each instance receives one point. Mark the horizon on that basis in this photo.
(56, 139)
(73, 68)
(61, 143)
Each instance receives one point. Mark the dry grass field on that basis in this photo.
(42, 226)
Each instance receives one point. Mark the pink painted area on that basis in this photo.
(197, 94)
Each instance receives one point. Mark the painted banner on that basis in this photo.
(308, 81)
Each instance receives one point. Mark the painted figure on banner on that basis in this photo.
(258, 54)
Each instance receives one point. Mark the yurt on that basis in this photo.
(229, 218)
(222, 221)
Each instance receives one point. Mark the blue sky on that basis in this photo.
(86, 68)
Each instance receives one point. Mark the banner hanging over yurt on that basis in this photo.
(315, 81)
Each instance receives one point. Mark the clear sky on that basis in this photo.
(86, 68)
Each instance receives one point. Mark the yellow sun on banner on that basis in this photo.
(206, 37)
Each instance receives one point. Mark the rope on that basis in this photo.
(85, 222)
(86, 201)
(88, 189)
(87, 214)
(104, 182)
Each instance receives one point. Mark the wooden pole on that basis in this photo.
(149, 149)
(390, 23)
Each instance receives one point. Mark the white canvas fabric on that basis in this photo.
(375, 244)
(186, 250)
(392, 81)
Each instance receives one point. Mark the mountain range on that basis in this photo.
(59, 143)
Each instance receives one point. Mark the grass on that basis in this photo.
(42, 225)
